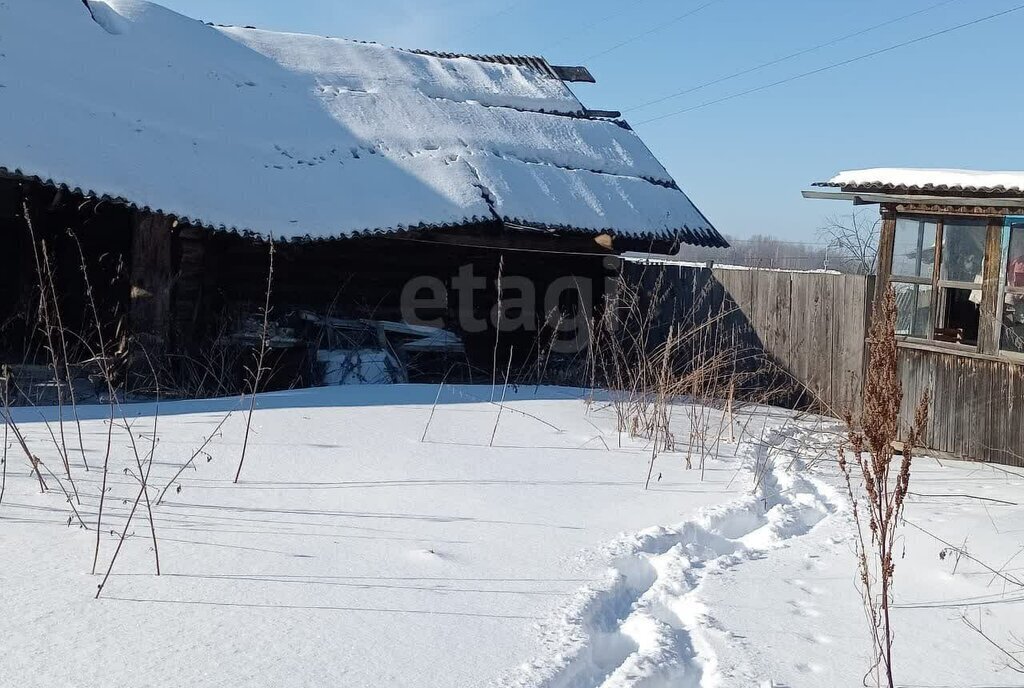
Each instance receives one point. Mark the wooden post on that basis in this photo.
(989, 330)
(885, 251)
(152, 274)
(190, 288)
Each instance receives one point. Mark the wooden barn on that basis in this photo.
(169, 154)
(952, 248)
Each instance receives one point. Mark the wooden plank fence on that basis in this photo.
(812, 325)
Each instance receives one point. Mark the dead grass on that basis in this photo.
(653, 370)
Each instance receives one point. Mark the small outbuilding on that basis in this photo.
(952, 248)
(171, 150)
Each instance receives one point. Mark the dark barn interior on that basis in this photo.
(184, 300)
(62, 228)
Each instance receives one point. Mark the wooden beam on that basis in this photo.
(957, 210)
(959, 351)
(915, 199)
(151, 281)
(535, 241)
(191, 284)
(885, 250)
(989, 329)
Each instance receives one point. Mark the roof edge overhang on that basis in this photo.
(862, 197)
(697, 237)
(707, 237)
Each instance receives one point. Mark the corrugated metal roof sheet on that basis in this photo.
(529, 61)
(696, 236)
(535, 62)
(563, 73)
(928, 181)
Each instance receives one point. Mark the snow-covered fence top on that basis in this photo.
(916, 179)
(308, 136)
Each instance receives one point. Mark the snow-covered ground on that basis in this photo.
(359, 550)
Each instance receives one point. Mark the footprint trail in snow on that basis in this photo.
(646, 626)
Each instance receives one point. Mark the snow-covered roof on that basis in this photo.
(911, 179)
(308, 136)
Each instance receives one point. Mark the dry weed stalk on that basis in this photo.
(47, 324)
(210, 372)
(501, 403)
(195, 454)
(433, 407)
(143, 476)
(100, 357)
(123, 536)
(49, 284)
(5, 402)
(871, 466)
(33, 460)
(555, 319)
(1012, 659)
(65, 357)
(497, 326)
(67, 495)
(257, 372)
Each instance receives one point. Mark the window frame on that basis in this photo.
(938, 285)
(928, 281)
(1010, 225)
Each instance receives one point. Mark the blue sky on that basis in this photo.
(952, 101)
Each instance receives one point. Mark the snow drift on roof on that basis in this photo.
(308, 136)
(930, 179)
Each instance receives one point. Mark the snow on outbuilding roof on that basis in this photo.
(928, 180)
(302, 135)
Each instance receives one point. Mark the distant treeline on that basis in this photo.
(762, 251)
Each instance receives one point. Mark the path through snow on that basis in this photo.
(647, 625)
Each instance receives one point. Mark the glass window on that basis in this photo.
(963, 251)
(914, 248)
(913, 309)
(938, 273)
(1013, 324)
(1015, 257)
(959, 316)
(1012, 338)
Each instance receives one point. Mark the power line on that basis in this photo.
(487, 247)
(834, 65)
(504, 10)
(786, 58)
(644, 34)
(586, 27)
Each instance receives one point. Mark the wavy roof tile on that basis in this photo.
(930, 180)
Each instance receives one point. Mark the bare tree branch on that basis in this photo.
(853, 238)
